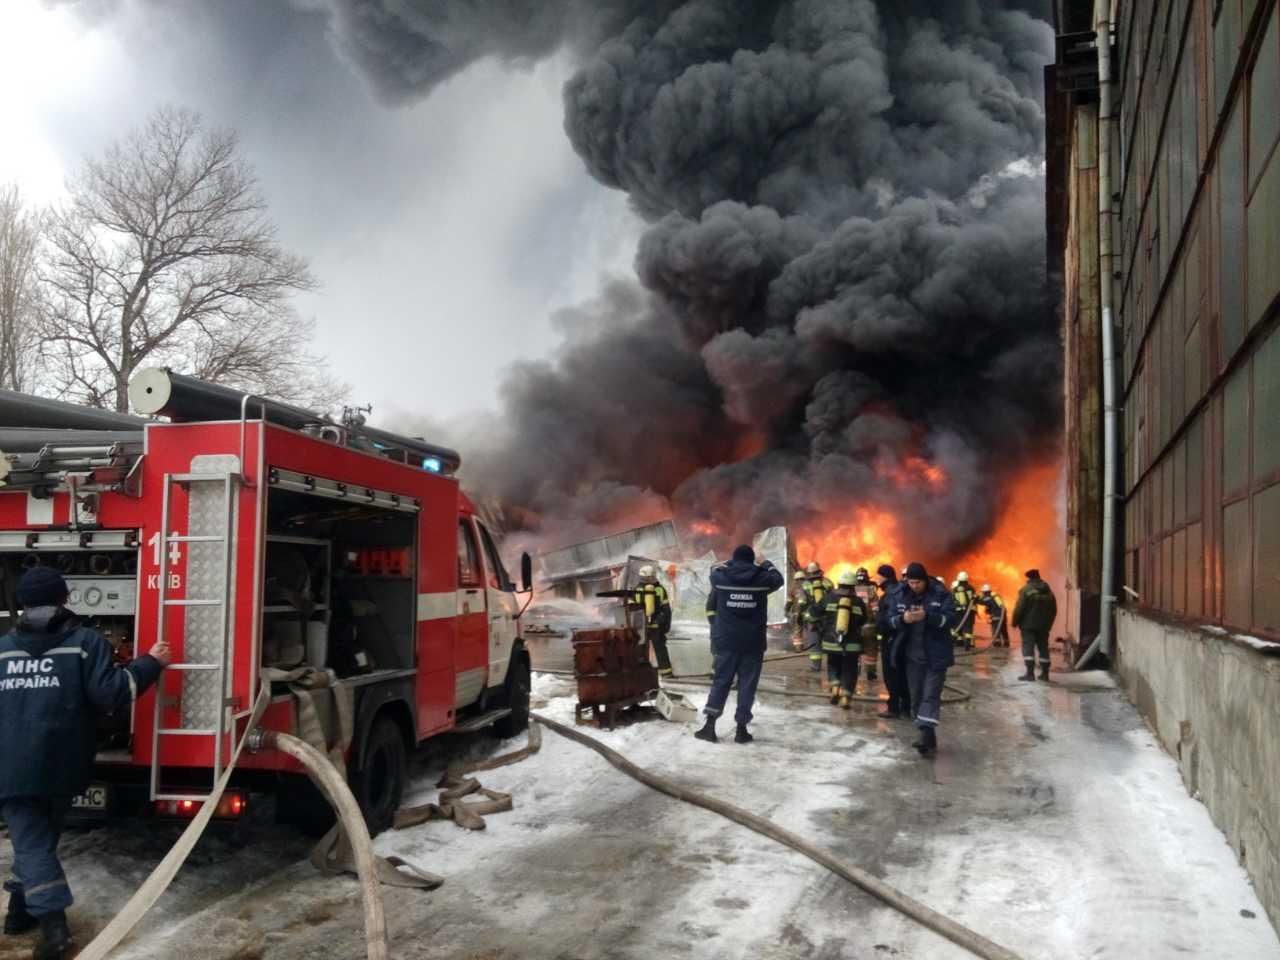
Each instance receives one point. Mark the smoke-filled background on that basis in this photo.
(837, 318)
(840, 300)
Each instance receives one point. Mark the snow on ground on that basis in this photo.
(1051, 821)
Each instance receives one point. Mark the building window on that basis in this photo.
(1237, 585)
(1264, 94)
(1266, 564)
(1235, 433)
(1231, 242)
(1266, 412)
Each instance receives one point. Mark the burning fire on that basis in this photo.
(1025, 535)
(913, 471)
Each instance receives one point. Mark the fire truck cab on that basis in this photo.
(331, 575)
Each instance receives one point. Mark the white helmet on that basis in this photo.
(648, 574)
(962, 577)
(798, 575)
(986, 588)
(848, 578)
(813, 568)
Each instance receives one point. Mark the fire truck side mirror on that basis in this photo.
(526, 573)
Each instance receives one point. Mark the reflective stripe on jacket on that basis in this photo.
(54, 678)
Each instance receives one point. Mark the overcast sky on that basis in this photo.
(444, 233)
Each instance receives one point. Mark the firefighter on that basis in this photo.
(870, 638)
(894, 665)
(924, 614)
(57, 675)
(816, 587)
(741, 589)
(1033, 615)
(967, 603)
(997, 614)
(652, 597)
(795, 608)
(845, 615)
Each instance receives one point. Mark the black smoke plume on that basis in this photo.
(843, 271)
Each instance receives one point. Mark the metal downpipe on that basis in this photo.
(1110, 464)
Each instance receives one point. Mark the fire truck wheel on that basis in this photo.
(379, 784)
(517, 698)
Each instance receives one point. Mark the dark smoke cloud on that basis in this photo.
(843, 269)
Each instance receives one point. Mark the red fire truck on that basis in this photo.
(258, 538)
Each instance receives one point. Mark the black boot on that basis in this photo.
(1031, 670)
(927, 742)
(743, 735)
(56, 937)
(16, 919)
(708, 731)
(1044, 670)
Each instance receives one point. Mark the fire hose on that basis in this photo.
(957, 933)
(330, 780)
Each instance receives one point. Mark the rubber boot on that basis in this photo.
(844, 701)
(835, 694)
(1044, 671)
(55, 941)
(16, 919)
(708, 731)
(743, 735)
(927, 742)
(1031, 670)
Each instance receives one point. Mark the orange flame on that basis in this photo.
(1026, 534)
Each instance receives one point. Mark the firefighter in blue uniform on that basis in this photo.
(895, 664)
(740, 593)
(842, 623)
(924, 615)
(54, 676)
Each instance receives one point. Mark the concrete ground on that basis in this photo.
(1050, 821)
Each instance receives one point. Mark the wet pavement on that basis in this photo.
(1049, 821)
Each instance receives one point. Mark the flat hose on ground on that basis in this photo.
(973, 942)
(335, 788)
(700, 680)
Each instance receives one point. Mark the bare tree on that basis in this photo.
(19, 291)
(164, 255)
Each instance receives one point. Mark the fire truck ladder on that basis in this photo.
(207, 602)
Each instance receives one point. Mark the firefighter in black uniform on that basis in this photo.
(816, 587)
(997, 614)
(966, 599)
(54, 676)
(844, 616)
(651, 596)
(870, 637)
